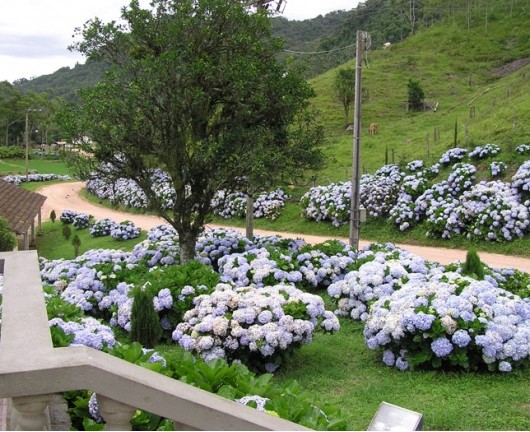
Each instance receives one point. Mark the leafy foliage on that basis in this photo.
(203, 96)
(145, 327)
(8, 241)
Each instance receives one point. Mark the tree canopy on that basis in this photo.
(194, 88)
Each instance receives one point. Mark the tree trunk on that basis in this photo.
(250, 218)
(187, 246)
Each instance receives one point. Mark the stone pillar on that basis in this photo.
(39, 219)
(117, 415)
(30, 413)
(33, 232)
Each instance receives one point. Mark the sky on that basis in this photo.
(35, 34)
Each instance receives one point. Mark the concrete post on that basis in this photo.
(117, 415)
(30, 413)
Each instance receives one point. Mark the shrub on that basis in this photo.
(8, 240)
(416, 95)
(76, 243)
(450, 322)
(53, 216)
(258, 326)
(102, 228)
(81, 221)
(473, 266)
(145, 327)
(67, 231)
(68, 216)
(497, 168)
(485, 151)
(125, 230)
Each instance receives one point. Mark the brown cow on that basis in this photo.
(373, 129)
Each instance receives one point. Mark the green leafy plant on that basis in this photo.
(416, 95)
(67, 231)
(473, 266)
(76, 243)
(145, 326)
(8, 241)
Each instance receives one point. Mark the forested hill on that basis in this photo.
(332, 36)
(306, 35)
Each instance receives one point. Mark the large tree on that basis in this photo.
(194, 88)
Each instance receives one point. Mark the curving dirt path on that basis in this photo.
(63, 196)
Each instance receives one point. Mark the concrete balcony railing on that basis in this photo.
(32, 370)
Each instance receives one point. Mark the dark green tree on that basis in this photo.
(194, 88)
(415, 95)
(8, 240)
(76, 243)
(473, 266)
(145, 325)
(67, 231)
(344, 88)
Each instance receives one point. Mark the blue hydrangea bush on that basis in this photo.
(125, 230)
(450, 321)
(497, 168)
(68, 216)
(81, 221)
(258, 326)
(266, 205)
(523, 149)
(17, 179)
(452, 155)
(485, 151)
(102, 228)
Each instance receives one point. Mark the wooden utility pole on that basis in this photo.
(355, 211)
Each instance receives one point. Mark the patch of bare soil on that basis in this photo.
(508, 68)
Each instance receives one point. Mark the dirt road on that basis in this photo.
(63, 196)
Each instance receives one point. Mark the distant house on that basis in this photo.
(20, 207)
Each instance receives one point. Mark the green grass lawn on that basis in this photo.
(52, 245)
(340, 369)
(41, 166)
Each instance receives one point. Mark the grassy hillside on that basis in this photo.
(455, 67)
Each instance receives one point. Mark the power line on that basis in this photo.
(318, 52)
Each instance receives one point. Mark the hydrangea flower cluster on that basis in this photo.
(17, 179)
(102, 227)
(320, 269)
(259, 267)
(266, 205)
(229, 205)
(81, 221)
(128, 193)
(415, 165)
(523, 149)
(125, 230)
(88, 332)
(521, 179)
(497, 168)
(450, 321)
(68, 216)
(491, 211)
(485, 151)
(269, 205)
(255, 325)
(328, 203)
(383, 272)
(452, 155)
(219, 242)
